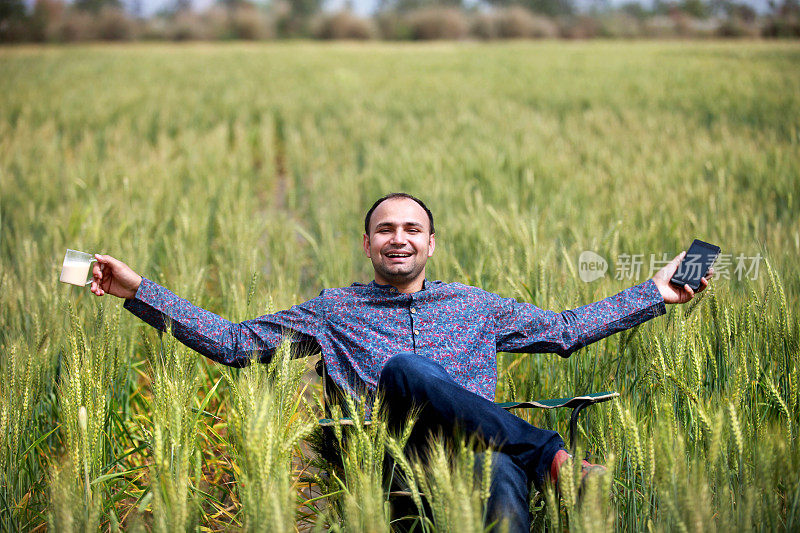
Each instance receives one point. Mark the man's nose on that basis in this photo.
(398, 237)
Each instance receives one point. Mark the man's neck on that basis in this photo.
(404, 288)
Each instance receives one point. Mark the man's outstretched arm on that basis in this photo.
(205, 332)
(523, 327)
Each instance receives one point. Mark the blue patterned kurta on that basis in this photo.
(358, 328)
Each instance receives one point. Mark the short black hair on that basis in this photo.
(392, 196)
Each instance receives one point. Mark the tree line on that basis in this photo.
(87, 20)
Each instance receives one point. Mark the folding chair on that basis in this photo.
(399, 494)
(576, 403)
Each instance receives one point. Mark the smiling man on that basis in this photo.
(422, 343)
(400, 241)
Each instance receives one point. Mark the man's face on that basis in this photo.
(399, 242)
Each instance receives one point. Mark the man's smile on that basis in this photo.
(398, 254)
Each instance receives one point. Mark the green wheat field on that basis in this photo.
(237, 175)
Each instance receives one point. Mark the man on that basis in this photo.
(421, 342)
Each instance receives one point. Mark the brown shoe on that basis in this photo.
(559, 459)
(590, 469)
(587, 469)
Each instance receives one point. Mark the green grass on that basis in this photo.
(237, 175)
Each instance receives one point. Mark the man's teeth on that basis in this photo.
(398, 255)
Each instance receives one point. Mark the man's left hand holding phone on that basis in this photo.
(675, 293)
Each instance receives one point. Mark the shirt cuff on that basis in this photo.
(653, 298)
(143, 304)
(644, 302)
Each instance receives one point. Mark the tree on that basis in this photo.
(45, 14)
(292, 16)
(11, 9)
(634, 9)
(552, 8)
(95, 6)
(733, 10)
(305, 8)
(12, 20)
(402, 6)
(695, 8)
(789, 8)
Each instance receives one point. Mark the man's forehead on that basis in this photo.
(399, 211)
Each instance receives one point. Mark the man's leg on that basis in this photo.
(508, 494)
(408, 379)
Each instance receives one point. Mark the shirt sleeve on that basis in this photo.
(224, 341)
(525, 328)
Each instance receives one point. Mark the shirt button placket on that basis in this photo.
(414, 329)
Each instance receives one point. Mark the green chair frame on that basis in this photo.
(576, 403)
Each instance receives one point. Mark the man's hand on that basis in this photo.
(114, 277)
(673, 294)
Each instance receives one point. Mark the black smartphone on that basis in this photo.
(699, 258)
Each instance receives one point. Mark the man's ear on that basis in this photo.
(366, 245)
(431, 244)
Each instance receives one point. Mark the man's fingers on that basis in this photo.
(105, 259)
(97, 272)
(106, 265)
(689, 290)
(112, 262)
(672, 266)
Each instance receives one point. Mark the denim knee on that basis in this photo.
(405, 370)
(397, 363)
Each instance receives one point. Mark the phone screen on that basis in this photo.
(695, 265)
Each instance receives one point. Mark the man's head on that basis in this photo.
(399, 239)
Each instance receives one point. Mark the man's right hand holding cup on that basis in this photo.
(112, 276)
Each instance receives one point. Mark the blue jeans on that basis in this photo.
(522, 454)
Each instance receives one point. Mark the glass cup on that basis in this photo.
(76, 268)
